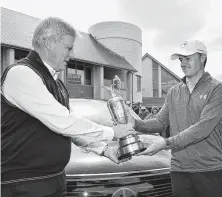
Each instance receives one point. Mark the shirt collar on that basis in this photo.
(190, 82)
(190, 85)
(195, 82)
(52, 71)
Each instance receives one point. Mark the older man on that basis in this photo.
(193, 111)
(38, 122)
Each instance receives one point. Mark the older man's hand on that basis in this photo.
(122, 130)
(111, 153)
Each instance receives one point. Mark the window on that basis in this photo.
(79, 74)
(138, 79)
(88, 75)
(155, 79)
(168, 81)
(109, 75)
(74, 78)
(155, 93)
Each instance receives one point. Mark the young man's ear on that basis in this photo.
(203, 57)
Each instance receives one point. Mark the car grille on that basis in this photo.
(162, 186)
(140, 184)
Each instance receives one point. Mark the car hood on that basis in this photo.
(82, 162)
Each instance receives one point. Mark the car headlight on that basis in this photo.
(85, 194)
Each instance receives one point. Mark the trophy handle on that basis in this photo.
(107, 88)
(111, 113)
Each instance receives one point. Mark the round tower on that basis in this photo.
(125, 39)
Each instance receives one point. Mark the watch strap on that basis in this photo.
(168, 144)
(104, 149)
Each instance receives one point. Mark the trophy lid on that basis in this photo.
(117, 83)
(112, 93)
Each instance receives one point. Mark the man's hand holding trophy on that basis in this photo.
(129, 143)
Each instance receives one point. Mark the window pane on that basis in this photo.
(76, 74)
(168, 81)
(155, 76)
(155, 93)
(138, 83)
(73, 76)
(88, 76)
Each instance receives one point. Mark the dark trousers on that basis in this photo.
(200, 184)
(51, 187)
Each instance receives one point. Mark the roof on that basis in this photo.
(164, 67)
(17, 30)
(90, 50)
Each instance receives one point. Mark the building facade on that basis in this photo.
(92, 65)
(124, 39)
(156, 81)
(108, 49)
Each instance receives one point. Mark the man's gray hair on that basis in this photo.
(50, 29)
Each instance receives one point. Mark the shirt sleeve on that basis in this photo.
(154, 125)
(26, 90)
(210, 117)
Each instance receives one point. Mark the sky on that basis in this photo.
(164, 24)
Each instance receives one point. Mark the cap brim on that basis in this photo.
(181, 53)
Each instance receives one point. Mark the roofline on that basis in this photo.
(164, 67)
(15, 47)
(99, 64)
(111, 51)
(81, 60)
(21, 13)
(114, 53)
(116, 21)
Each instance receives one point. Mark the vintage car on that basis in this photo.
(91, 175)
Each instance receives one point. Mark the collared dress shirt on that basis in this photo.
(26, 90)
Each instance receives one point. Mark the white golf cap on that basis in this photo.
(190, 47)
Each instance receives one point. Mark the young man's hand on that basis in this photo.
(132, 116)
(154, 147)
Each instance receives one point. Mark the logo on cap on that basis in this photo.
(184, 44)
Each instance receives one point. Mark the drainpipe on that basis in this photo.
(132, 88)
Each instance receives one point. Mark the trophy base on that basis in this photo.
(127, 150)
(129, 155)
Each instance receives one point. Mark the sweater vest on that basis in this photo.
(29, 148)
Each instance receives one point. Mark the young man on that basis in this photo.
(193, 112)
(38, 123)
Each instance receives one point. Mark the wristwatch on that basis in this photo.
(168, 144)
(104, 149)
